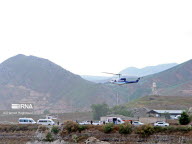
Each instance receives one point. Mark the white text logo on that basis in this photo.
(22, 106)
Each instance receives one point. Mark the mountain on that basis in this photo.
(133, 71)
(176, 81)
(29, 79)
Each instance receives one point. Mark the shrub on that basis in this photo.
(17, 127)
(55, 129)
(108, 128)
(184, 119)
(183, 129)
(169, 129)
(158, 129)
(71, 126)
(145, 130)
(98, 127)
(22, 128)
(49, 137)
(12, 128)
(116, 128)
(75, 138)
(125, 128)
(42, 128)
(82, 127)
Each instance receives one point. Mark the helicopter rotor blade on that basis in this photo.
(113, 74)
(109, 73)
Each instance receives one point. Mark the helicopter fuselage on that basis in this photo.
(123, 81)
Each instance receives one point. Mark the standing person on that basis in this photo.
(91, 122)
(58, 123)
(77, 121)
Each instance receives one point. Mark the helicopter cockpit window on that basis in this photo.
(124, 79)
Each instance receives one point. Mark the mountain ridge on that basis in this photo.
(140, 72)
(175, 81)
(29, 79)
(36, 79)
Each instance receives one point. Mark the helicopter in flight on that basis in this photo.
(122, 80)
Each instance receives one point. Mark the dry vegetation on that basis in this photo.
(73, 132)
(17, 133)
(162, 102)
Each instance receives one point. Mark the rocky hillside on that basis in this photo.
(29, 79)
(162, 102)
(176, 81)
(35, 80)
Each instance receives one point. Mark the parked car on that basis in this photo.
(46, 122)
(85, 122)
(26, 121)
(97, 123)
(137, 123)
(161, 123)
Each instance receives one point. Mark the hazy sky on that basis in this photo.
(89, 37)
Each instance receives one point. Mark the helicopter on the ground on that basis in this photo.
(122, 80)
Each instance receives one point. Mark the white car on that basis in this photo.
(161, 123)
(97, 123)
(46, 122)
(85, 123)
(26, 121)
(137, 123)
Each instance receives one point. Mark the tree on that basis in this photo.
(184, 119)
(121, 110)
(99, 110)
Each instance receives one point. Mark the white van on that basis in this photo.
(46, 122)
(26, 121)
(115, 120)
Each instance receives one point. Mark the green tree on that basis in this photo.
(184, 119)
(99, 110)
(121, 110)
